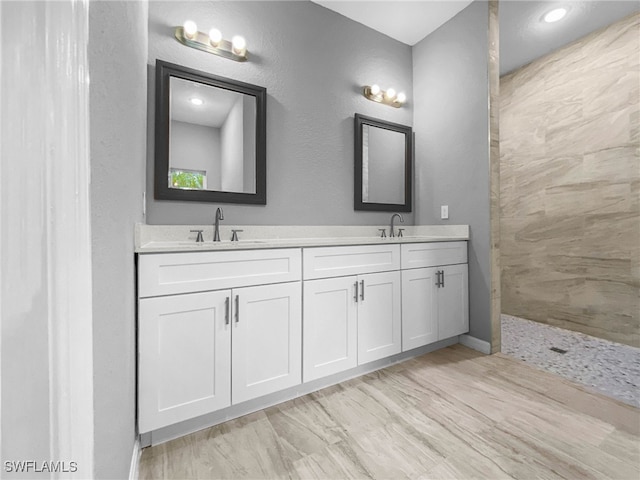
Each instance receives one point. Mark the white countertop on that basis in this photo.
(179, 238)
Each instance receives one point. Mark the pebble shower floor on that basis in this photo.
(612, 369)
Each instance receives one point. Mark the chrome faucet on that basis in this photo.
(391, 232)
(216, 226)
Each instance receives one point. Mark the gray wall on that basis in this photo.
(117, 61)
(249, 144)
(314, 64)
(232, 162)
(197, 147)
(450, 81)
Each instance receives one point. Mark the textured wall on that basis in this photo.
(117, 65)
(314, 63)
(451, 71)
(570, 186)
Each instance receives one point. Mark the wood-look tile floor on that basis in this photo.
(452, 414)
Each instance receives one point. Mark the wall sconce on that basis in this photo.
(389, 97)
(189, 35)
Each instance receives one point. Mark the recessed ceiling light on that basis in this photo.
(196, 101)
(555, 15)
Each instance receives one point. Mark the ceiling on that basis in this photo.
(406, 21)
(523, 36)
(214, 110)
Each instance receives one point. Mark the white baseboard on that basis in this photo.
(134, 471)
(475, 344)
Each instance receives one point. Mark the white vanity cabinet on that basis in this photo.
(221, 332)
(184, 349)
(354, 318)
(452, 298)
(379, 316)
(419, 308)
(203, 351)
(435, 292)
(266, 340)
(330, 333)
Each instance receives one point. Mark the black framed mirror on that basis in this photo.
(210, 137)
(383, 165)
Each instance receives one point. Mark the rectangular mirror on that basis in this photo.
(210, 137)
(383, 160)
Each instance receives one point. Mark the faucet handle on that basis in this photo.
(400, 230)
(199, 238)
(234, 235)
(383, 232)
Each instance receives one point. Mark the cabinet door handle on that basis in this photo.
(355, 297)
(226, 311)
(438, 278)
(442, 281)
(237, 308)
(362, 290)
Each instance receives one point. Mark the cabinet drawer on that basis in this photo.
(325, 262)
(418, 255)
(172, 273)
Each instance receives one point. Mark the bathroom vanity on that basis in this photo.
(227, 328)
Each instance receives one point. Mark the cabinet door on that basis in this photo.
(379, 322)
(185, 358)
(267, 339)
(419, 308)
(453, 301)
(330, 335)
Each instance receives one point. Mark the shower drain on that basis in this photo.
(558, 350)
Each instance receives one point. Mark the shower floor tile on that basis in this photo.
(612, 369)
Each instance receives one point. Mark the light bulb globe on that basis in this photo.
(239, 44)
(190, 29)
(215, 36)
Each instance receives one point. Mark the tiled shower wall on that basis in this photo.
(570, 186)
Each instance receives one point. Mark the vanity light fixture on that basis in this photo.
(213, 42)
(555, 15)
(388, 97)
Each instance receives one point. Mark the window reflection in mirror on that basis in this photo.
(187, 179)
(212, 131)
